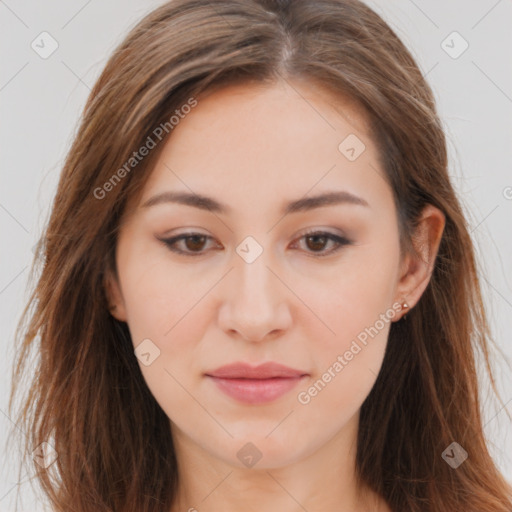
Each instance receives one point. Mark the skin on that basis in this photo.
(255, 148)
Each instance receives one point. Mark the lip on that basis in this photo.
(255, 384)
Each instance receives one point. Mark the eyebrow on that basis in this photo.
(300, 205)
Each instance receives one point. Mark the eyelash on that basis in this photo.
(339, 240)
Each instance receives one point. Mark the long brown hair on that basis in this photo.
(87, 397)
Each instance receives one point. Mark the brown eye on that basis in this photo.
(193, 245)
(317, 241)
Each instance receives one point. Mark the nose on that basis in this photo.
(255, 303)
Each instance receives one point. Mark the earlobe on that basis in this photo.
(419, 265)
(114, 297)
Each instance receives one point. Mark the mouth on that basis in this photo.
(259, 384)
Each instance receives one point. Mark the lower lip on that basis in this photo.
(256, 391)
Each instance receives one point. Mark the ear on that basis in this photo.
(417, 267)
(114, 296)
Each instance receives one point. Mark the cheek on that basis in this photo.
(356, 294)
(167, 306)
(164, 306)
(158, 297)
(346, 374)
(357, 307)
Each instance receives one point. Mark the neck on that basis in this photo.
(322, 480)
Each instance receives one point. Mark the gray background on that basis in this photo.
(41, 100)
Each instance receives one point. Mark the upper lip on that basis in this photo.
(262, 371)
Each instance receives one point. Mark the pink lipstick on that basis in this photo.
(255, 384)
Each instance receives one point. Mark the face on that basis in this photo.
(262, 272)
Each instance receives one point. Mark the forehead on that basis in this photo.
(256, 120)
(263, 141)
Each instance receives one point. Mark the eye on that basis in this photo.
(317, 241)
(194, 243)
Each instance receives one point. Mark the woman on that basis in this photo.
(259, 290)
